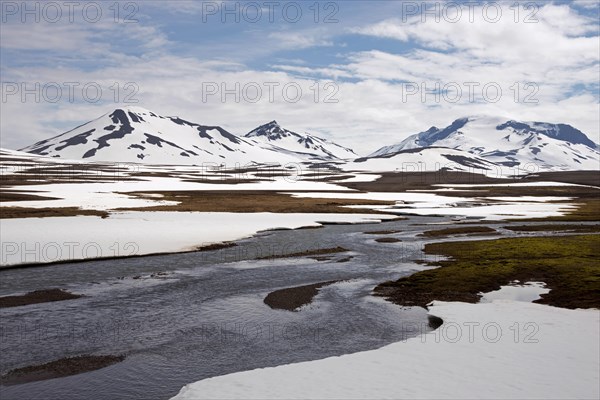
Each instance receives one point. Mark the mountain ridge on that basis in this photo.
(134, 134)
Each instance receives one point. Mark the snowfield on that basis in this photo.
(44, 240)
(512, 184)
(500, 349)
(107, 195)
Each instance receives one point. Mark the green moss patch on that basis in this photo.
(567, 264)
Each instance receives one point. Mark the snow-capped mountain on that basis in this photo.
(284, 140)
(509, 143)
(134, 134)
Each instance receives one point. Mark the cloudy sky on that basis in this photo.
(364, 74)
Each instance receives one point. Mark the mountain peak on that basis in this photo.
(482, 118)
(133, 109)
(273, 125)
(283, 139)
(272, 131)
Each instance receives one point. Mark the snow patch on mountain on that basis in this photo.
(426, 159)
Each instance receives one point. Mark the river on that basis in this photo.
(180, 318)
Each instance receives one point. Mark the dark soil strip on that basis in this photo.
(381, 232)
(38, 296)
(307, 253)
(58, 369)
(31, 212)
(310, 227)
(402, 181)
(216, 246)
(20, 196)
(293, 298)
(387, 240)
(253, 202)
(554, 228)
(466, 230)
(321, 258)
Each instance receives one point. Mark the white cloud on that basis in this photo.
(50, 37)
(555, 38)
(299, 40)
